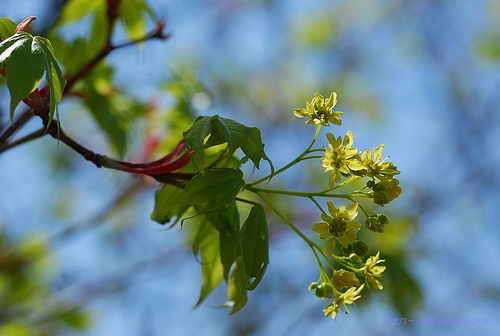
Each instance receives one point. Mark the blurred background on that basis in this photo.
(420, 76)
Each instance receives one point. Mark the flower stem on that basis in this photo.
(250, 187)
(288, 222)
(293, 162)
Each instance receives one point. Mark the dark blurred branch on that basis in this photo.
(97, 219)
(17, 124)
(34, 135)
(157, 33)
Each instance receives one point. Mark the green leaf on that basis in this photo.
(103, 112)
(226, 221)
(207, 244)
(71, 54)
(25, 68)
(132, 14)
(98, 34)
(7, 28)
(236, 290)
(255, 245)
(254, 148)
(53, 74)
(228, 225)
(10, 44)
(164, 196)
(195, 137)
(215, 187)
(27, 58)
(75, 10)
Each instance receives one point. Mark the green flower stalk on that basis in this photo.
(338, 226)
(319, 111)
(340, 158)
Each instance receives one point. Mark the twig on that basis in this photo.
(34, 135)
(16, 125)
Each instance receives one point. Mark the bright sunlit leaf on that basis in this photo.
(207, 245)
(26, 59)
(7, 28)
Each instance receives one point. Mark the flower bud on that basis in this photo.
(344, 279)
(347, 250)
(354, 258)
(360, 248)
(322, 289)
(373, 224)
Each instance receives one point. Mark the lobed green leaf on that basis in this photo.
(27, 58)
(207, 132)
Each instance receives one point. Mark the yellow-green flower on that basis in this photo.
(338, 225)
(341, 302)
(383, 170)
(371, 271)
(340, 157)
(319, 111)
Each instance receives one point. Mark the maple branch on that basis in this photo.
(54, 130)
(156, 33)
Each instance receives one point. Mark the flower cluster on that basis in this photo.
(319, 111)
(342, 160)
